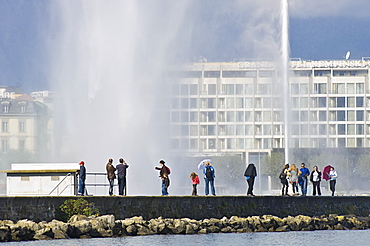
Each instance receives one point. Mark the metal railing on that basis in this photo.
(57, 186)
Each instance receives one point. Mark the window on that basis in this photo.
(341, 115)
(5, 126)
(359, 115)
(23, 109)
(22, 145)
(322, 102)
(340, 102)
(211, 74)
(5, 109)
(211, 130)
(359, 101)
(193, 102)
(193, 89)
(211, 89)
(341, 129)
(22, 126)
(5, 146)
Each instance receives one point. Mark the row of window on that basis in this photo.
(268, 130)
(266, 143)
(6, 108)
(268, 116)
(5, 145)
(268, 102)
(5, 126)
(263, 73)
(267, 88)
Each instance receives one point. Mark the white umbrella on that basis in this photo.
(202, 163)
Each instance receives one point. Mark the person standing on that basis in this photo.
(209, 177)
(111, 176)
(195, 180)
(284, 180)
(333, 180)
(304, 178)
(81, 178)
(315, 178)
(164, 171)
(250, 174)
(121, 173)
(293, 178)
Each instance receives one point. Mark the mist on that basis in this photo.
(108, 63)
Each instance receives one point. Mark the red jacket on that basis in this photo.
(196, 180)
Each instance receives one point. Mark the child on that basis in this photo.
(195, 180)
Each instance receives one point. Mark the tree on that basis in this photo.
(272, 164)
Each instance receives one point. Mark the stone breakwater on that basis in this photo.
(80, 226)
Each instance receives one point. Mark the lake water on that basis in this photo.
(345, 237)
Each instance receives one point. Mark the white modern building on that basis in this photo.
(238, 107)
(42, 179)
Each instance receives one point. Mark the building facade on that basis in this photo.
(25, 122)
(238, 107)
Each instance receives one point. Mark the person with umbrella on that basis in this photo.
(333, 180)
(250, 174)
(209, 173)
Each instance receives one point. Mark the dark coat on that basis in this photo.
(110, 171)
(311, 176)
(250, 171)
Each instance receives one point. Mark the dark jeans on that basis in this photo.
(165, 184)
(285, 187)
(111, 184)
(195, 192)
(295, 187)
(121, 185)
(332, 186)
(209, 181)
(250, 185)
(81, 187)
(316, 186)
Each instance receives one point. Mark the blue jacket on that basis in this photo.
(212, 169)
(82, 172)
(305, 172)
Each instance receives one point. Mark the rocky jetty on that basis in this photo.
(80, 226)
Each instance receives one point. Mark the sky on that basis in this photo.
(318, 29)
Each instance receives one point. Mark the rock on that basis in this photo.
(282, 228)
(44, 234)
(77, 217)
(60, 234)
(131, 230)
(142, 231)
(213, 229)
(202, 231)
(189, 229)
(5, 234)
(226, 229)
(20, 233)
(79, 227)
(178, 227)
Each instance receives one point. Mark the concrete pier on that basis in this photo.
(200, 207)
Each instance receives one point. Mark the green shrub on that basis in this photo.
(78, 206)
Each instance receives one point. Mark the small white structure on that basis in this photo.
(42, 179)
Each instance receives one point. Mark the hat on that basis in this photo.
(82, 163)
(161, 161)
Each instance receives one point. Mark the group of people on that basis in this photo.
(111, 175)
(291, 175)
(209, 178)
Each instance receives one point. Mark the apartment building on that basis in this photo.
(238, 107)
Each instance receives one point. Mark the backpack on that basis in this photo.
(168, 170)
(209, 173)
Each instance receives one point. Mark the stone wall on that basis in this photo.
(201, 207)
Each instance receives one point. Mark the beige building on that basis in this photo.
(25, 122)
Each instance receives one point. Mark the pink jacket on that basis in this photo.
(195, 180)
